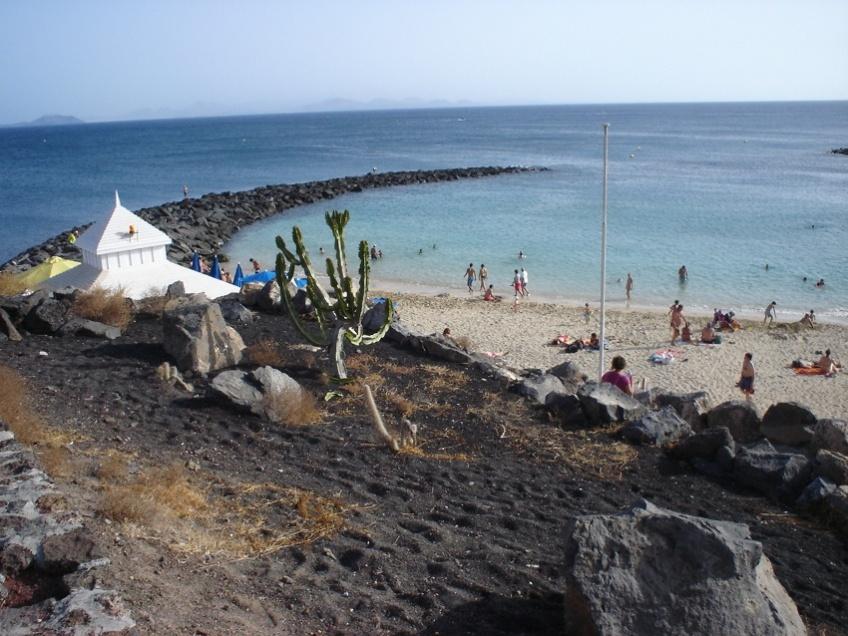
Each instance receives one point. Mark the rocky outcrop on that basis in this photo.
(779, 475)
(7, 328)
(604, 403)
(248, 390)
(830, 435)
(653, 571)
(196, 335)
(89, 329)
(692, 407)
(46, 553)
(788, 423)
(832, 466)
(741, 419)
(537, 387)
(204, 224)
(657, 427)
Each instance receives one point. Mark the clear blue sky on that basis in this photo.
(120, 59)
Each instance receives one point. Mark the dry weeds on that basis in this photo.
(443, 379)
(292, 408)
(264, 352)
(103, 305)
(16, 411)
(231, 520)
(400, 405)
(10, 285)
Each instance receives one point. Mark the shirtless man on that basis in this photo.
(683, 273)
(677, 322)
(770, 314)
(628, 286)
(746, 379)
(484, 274)
(470, 277)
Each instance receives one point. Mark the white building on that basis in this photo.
(122, 250)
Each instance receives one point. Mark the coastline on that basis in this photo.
(206, 223)
(522, 339)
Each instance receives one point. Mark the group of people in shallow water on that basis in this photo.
(519, 283)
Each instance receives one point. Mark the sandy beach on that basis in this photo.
(523, 337)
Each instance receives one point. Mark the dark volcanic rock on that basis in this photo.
(778, 475)
(604, 403)
(833, 466)
(653, 571)
(89, 328)
(741, 418)
(7, 328)
(788, 423)
(657, 427)
(247, 390)
(47, 317)
(196, 335)
(704, 444)
(816, 492)
(831, 435)
(566, 408)
(537, 387)
(692, 407)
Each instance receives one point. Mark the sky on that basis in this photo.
(116, 59)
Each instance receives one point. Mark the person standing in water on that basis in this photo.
(683, 274)
(628, 286)
(470, 276)
(484, 274)
(746, 379)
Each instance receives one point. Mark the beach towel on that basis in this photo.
(664, 356)
(809, 371)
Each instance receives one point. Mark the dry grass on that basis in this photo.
(418, 451)
(17, 412)
(56, 461)
(443, 379)
(360, 363)
(113, 466)
(219, 518)
(292, 408)
(106, 306)
(10, 285)
(400, 405)
(264, 352)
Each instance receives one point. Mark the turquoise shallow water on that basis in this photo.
(722, 188)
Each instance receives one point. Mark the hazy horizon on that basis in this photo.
(101, 61)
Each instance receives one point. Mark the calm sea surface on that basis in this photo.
(723, 188)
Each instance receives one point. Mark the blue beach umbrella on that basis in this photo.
(261, 277)
(195, 261)
(215, 272)
(238, 279)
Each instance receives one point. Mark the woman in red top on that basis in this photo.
(618, 377)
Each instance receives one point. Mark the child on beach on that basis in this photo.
(587, 313)
(746, 379)
(484, 274)
(770, 314)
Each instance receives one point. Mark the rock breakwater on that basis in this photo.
(204, 224)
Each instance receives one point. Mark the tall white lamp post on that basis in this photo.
(602, 334)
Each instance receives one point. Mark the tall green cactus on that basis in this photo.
(338, 319)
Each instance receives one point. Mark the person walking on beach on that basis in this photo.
(628, 286)
(770, 314)
(683, 273)
(746, 379)
(516, 284)
(484, 274)
(470, 276)
(524, 290)
(256, 266)
(677, 323)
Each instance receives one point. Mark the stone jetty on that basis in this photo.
(204, 224)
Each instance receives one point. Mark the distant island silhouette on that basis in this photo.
(51, 120)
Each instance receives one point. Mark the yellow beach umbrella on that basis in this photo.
(53, 266)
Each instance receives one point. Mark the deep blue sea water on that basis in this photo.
(721, 188)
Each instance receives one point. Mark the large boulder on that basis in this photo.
(443, 349)
(692, 407)
(375, 318)
(657, 427)
(538, 386)
(196, 335)
(270, 298)
(47, 317)
(788, 423)
(248, 390)
(234, 312)
(570, 374)
(653, 571)
(703, 445)
(7, 327)
(249, 294)
(831, 435)
(837, 507)
(740, 417)
(566, 409)
(89, 329)
(604, 403)
(17, 307)
(816, 492)
(778, 475)
(832, 465)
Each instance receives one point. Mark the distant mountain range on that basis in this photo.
(51, 120)
(340, 104)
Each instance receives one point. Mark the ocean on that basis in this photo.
(723, 188)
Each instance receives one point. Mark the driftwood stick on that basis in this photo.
(377, 420)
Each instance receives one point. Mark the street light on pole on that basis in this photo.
(602, 335)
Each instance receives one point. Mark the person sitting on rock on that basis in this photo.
(617, 376)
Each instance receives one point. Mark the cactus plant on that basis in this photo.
(338, 319)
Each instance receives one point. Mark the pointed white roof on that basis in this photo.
(111, 233)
